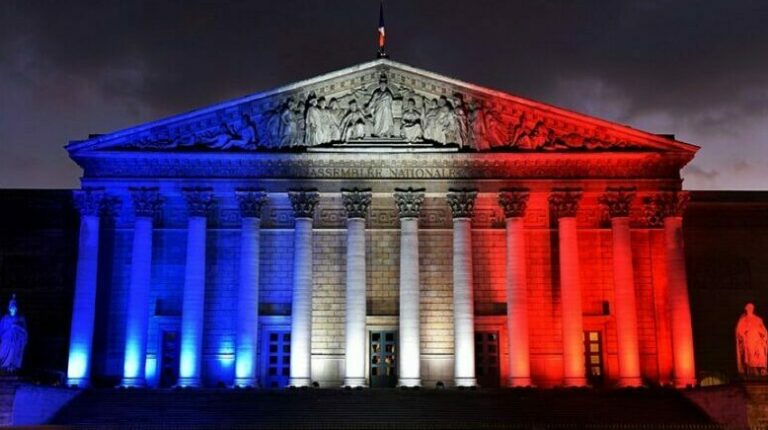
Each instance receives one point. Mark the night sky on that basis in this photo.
(697, 69)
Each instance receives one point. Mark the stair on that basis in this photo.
(383, 408)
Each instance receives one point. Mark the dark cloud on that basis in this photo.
(697, 69)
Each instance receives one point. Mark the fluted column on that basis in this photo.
(462, 203)
(89, 202)
(670, 207)
(564, 204)
(356, 203)
(408, 203)
(617, 201)
(514, 202)
(146, 203)
(199, 203)
(304, 203)
(247, 340)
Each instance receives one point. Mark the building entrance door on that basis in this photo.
(487, 358)
(169, 358)
(593, 351)
(275, 358)
(383, 359)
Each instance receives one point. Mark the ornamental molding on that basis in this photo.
(462, 202)
(147, 201)
(514, 202)
(251, 201)
(381, 102)
(200, 201)
(304, 202)
(617, 201)
(664, 205)
(564, 202)
(356, 201)
(409, 201)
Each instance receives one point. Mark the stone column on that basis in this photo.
(146, 203)
(564, 204)
(514, 202)
(89, 202)
(199, 203)
(462, 203)
(408, 203)
(247, 341)
(617, 201)
(670, 207)
(356, 203)
(304, 203)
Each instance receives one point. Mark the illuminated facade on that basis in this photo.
(380, 226)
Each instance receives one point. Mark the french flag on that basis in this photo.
(382, 34)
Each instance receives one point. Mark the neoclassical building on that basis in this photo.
(379, 226)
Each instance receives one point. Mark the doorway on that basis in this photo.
(169, 358)
(487, 358)
(275, 358)
(383, 359)
(593, 351)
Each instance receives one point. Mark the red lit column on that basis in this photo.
(564, 204)
(670, 206)
(462, 203)
(617, 201)
(514, 203)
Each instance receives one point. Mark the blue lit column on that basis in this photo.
(356, 203)
(462, 203)
(408, 203)
(146, 202)
(199, 202)
(251, 202)
(304, 203)
(89, 202)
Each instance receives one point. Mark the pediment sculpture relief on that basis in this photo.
(383, 111)
(751, 344)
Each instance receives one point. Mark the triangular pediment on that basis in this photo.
(380, 102)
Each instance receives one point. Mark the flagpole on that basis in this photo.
(382, 34)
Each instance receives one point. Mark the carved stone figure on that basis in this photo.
(315, 123)
(13, 338)
(289, 128)
(430, 121)
(411, 128)
(461, 121)
(334, 115)
(380, 108)
(476, 119)
(353, 124)
(243, 136)
(751, 344)
(537, 138)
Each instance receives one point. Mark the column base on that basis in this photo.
(354, 383)
(578, 381)
(299, 382)
(685, 382)
(466, 382)
(246, 383)
(133, 383)
(191, 382)
(79, 382)
(409, 382)
(631, 382)
(516, 381)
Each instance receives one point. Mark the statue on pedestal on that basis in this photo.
(751, 344)
(13, 338)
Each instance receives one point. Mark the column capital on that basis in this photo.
(146, 201)
(408, 201)
(200, 200)
(514, 201)
(94, 201)
(304, 202)
(251, 201)
(618, 201)
(564, 202)
(462, 202)
(665, 204)
(356, 201)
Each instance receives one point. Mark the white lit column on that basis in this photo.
(304, 203)
(146, 202)
(564, 204)
(199, 202)
(462, 203)
(671, 206)
(251, 202)
(408, 203)
(514, 202)
(356, 203)
(617, 201)
(89, 201)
